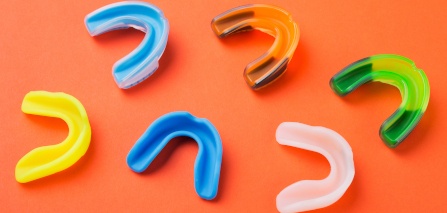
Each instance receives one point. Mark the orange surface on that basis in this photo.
(44, 46)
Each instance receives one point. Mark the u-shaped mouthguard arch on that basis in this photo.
(269, 19)
(47, 160)
(175, 124)
(307, 195)
(395, 70)
(143, 61)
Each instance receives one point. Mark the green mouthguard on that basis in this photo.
(395, 70)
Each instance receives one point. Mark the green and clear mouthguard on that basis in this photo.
(395, 70)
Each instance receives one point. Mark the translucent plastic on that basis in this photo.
(143, 61)
(395, 70)
(175, 124)
(313, 194)
(269, 19)
(47, 160)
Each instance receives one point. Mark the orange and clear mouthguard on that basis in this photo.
(269, 19)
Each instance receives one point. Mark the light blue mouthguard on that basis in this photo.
(143, 61)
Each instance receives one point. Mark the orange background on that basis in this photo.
(44, 45)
